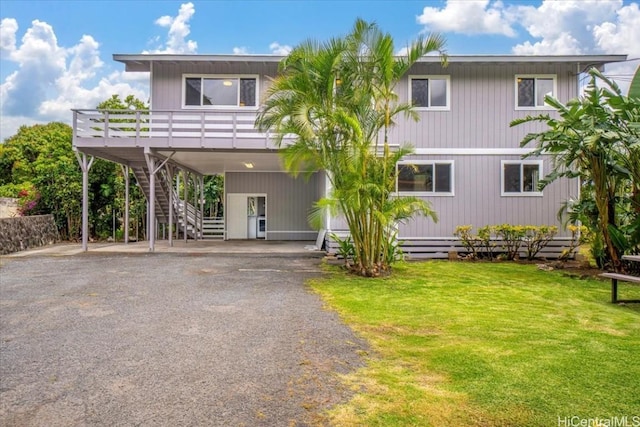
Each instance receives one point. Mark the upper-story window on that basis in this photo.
(220, 91)
(521, 177)
(428, 178)
(531, 90)
(430, 92)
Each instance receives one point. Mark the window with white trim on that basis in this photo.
(521, 177)
(531, 90)
(428, 178)
(430, 92)
(220, 91)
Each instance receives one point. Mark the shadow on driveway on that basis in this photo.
(168, 339)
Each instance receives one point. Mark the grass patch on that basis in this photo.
(487, 344)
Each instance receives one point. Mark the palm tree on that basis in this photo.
(337, 99)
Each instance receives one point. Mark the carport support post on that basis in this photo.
(202, 206)
(85, 165)
(151, 165)
(185, 220)
(195, 207)
(125, 174)
(170, 179)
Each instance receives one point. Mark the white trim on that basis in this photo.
(446, 78)
(554, 77)
(521, 163)
(471, 151)
(294, 231)
(151, 86)
(221, 107)
(454, 239)
(428, 193)
(141, 62)
(255, 171)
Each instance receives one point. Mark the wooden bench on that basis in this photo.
(622, 277)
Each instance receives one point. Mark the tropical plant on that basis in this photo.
(40, 159)
(337, 100)
(596, 138)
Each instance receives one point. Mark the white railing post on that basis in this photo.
(137, 128)
(75, 127)
(170, 129)
(234, 125)
(106, 125)
(202, 116)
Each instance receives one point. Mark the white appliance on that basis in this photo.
(261, 230)
(252, 217)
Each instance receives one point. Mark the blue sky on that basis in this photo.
(56, 55)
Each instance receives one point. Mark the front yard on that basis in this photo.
(488, 344)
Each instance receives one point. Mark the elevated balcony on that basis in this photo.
(169, 129)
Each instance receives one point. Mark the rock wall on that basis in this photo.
(27, 232)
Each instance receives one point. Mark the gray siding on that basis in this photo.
(482, 106)
(166, 83)
(478, 201)
(288, 200)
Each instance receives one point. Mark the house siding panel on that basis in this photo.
(167, 80)
(478, 200)
(288, 200)
(482, 106)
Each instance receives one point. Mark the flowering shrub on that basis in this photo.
(27, 200)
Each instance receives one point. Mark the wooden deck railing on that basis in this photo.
(166, 125)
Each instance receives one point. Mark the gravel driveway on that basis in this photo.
(168, 339)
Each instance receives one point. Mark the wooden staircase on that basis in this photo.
(197, 227)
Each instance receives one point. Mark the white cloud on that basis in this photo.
(467, 17)
(563, 27)
(402, 51)
(9, 125)
(622, 35)
(51, 79)
(8, 30)
(179, 30)
(583, 27)
(241, 50)
(562, 44)
(279, 49)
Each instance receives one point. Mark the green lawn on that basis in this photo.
(487, 344)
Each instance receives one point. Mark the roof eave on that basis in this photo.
(142, 62)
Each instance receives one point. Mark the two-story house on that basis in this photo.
(469, 161)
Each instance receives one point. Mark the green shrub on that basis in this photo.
(505, 241)
(537, 237)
